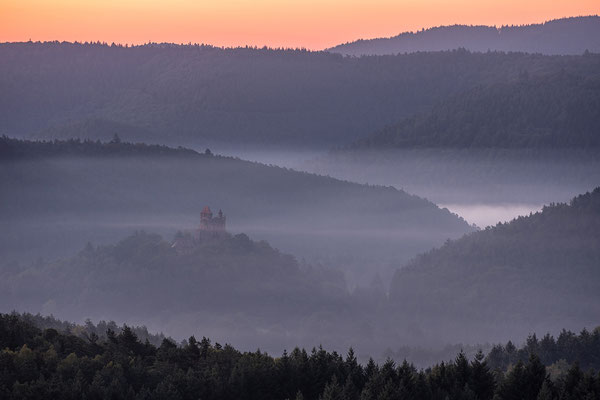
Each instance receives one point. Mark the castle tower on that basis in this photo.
(210, 224)
(219, 222)
(206, 217)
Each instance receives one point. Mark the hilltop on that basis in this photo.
(561, 36)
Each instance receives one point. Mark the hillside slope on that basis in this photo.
(540, 272)
(561, 36)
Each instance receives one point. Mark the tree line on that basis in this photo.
(11, 148)
(39, 364)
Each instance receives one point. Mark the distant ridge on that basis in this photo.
(208, 97)
(565, 36)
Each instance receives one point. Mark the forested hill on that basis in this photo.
(561, 36)
(536, 272)
(227, 279)
(203, 96)
(555, 111)
(58, 195)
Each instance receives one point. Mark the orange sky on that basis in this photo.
(314, 24)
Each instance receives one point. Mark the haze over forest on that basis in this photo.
(414, 197)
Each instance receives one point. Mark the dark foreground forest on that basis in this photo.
(44, 364)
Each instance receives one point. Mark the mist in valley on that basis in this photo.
(57, 207)
(82, 232)
(484, 186)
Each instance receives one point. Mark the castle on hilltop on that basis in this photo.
(210, 224)
(210, 227)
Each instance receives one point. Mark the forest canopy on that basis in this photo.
(46, 363)
(558, 111)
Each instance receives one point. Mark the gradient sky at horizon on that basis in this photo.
(313, 24)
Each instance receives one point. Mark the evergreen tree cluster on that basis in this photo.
(88, 328)
(583, 349)
(42, 364)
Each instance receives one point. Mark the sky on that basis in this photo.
(313, 24)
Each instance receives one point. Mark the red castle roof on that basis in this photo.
(206, 210)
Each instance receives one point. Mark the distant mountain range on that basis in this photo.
(561, 36)
(199, 96)
(541, 271)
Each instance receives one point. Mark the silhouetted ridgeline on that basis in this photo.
(554, 111)
(49, 364)
(560, 36)
(539, 271)
(13, 148)
(200, 95)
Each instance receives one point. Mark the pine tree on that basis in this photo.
(513, 386)
(350, 392)
(571, 383)
(535, 375)
(481, 381)
(546, 392)
(462, 371)
(332, 391)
